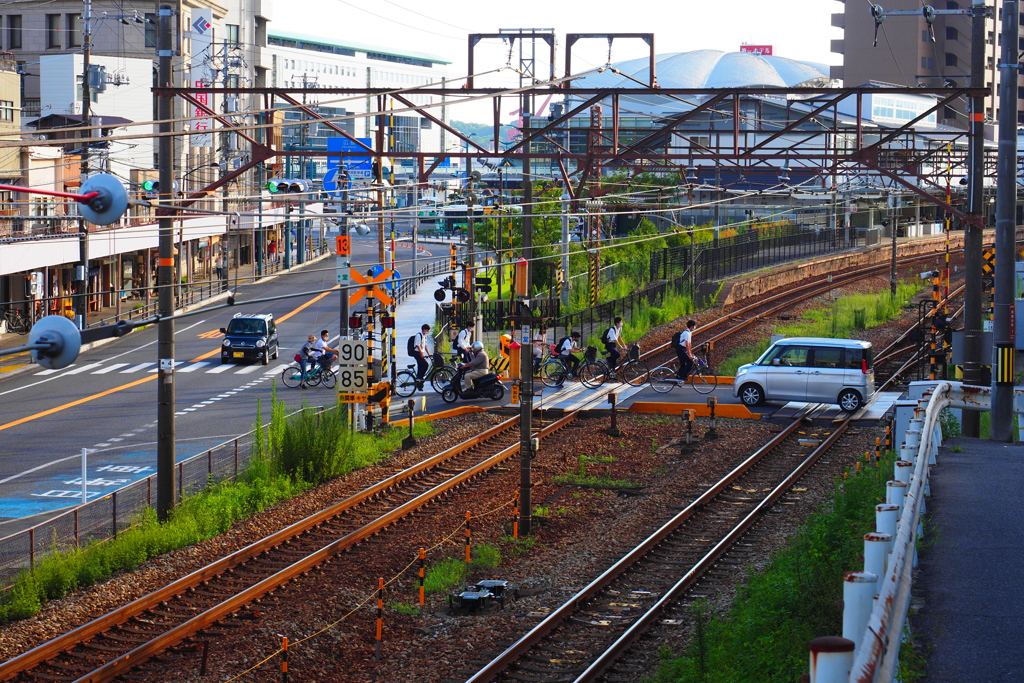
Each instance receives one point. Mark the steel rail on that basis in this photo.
(499, 664)
(120, 615)
(644, 622)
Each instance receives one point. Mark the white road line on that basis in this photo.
(136, 368)
(180, 413)
(246, 370)
(214, 398)
(279, 368)
(111, 368)
(100, 445)
(207, 403)
(194, 366)
(224, 395)
(219, 368)
(189, 410)
(50, 372)
(115, 439)
(90, 366)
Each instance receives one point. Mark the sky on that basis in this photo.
(797, 29)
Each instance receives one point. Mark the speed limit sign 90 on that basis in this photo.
(352, 352)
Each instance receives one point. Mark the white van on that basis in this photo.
(811, 369)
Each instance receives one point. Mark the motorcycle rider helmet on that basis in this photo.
(478, 346)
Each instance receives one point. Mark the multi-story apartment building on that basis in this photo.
(906, 55)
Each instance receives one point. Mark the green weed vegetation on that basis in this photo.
(841, 319)
(291, 455)
(763, 638)
(452, 572)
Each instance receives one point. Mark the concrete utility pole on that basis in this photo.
(1006, 209)
(165, 474)
(82, 300)
(526, 346)
(973, 230)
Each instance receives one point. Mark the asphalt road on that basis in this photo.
(106, 401)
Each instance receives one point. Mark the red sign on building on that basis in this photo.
(757, 49)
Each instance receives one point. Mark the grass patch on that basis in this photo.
(594, 481)
(841, 319)
(452, 572)
(792, 601)
(290, 456)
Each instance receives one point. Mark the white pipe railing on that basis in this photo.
(890, 552)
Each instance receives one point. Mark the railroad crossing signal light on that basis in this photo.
(355, 321)
(439, 295)
(287, 186)
(482, 284)
(387, 322)
(461, 295)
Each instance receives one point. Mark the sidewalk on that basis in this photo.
(969, 574)
(199, 296)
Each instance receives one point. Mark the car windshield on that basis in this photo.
(238, 326)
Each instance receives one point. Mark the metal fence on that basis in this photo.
(108, 516)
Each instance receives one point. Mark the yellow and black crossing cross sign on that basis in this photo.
(988, 261)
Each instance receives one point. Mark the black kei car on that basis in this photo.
(249, 336)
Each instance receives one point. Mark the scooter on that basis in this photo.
(487, 386)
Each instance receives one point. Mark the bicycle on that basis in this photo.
(596, 371)
(702, 377)
(439, 374)
(553, 371)
(318, 374)
(16, 321)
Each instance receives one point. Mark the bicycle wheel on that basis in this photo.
(703, 380)
(663, 379)
(291, 376)
(313, 377)
(593, 375)
(635, 373)
(405, 383)
(442, 377)
(552, 373)
(328, 378)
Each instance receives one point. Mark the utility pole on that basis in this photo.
(82, 300)
(973, 237)
(1006, 208)
(526, 345)
(165, 473)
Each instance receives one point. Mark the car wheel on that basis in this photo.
(849, 400)
(277, 350)
(265, 358)
(751, 395)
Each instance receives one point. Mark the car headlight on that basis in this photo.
(742, 371)
(226, 343)
(260, 343)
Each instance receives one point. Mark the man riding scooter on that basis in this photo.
(475, 368)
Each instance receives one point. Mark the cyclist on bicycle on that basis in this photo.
(612, 339)
(540, 341)
(422, 349)
(307, 356)
(682, 343)
(564, 349)
(463, 343)
(327, 354)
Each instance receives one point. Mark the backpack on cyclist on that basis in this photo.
(558, 345)
(677, 342)
(606, 338)
(410, 346)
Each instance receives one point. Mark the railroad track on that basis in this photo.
(588, 637)
(125, 638)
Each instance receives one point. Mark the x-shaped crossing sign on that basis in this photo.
(370, 287)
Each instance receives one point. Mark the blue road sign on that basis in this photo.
(332, 183)
(358, 167)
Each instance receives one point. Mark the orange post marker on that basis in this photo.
(469, 534)
(380, 616)
(515, 517)
(284, 659)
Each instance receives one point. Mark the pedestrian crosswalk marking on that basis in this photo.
(136, 368)
(247, 370)
(50, 372)
(83, 368)
(195, 366)
(220, 368)
(110, 368)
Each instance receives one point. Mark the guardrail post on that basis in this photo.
(895, 491)
(859, 590)
(904, 469)
(712, 432)
(876, 551)
(886, 518)
(613, 430)
(831, 659)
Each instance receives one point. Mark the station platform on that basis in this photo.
(969, 590)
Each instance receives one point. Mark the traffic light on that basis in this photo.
(482, 284)
(152, 187)
(287, 186)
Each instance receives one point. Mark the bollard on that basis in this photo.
(886, 518)
(877, 546)
(284, 658)
(904, 469)
(906, 453)
(712, 432)
(469, 534)
(859, 590)
(895, 491)
(888, 435)
(831, 659)
(409, 441)
(515, 517)
(878, 448)
(379, 634)
(614, 429)
(423, 579)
